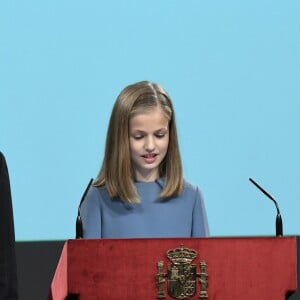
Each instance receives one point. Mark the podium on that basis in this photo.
(234, 268)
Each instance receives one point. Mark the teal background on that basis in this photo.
(231, 68)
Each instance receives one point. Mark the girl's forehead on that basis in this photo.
(149, 111)
(151, 118)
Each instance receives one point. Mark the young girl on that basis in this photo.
(140, 190)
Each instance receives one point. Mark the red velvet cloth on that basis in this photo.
(59, 285)
(247, 268)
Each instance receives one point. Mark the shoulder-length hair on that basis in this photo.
(116, 173)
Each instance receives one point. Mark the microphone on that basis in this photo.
(279, 231)
(79, 231)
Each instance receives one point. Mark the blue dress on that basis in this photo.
(181, 216)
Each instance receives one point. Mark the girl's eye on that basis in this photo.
(137, 137)
(160, 135)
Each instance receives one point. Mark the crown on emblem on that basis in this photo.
(181, 255)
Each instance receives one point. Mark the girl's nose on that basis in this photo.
(149, 146)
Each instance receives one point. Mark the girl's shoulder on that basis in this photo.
(191, 190)
(97, 192)
(187, 185)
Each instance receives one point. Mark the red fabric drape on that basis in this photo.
(244, 268)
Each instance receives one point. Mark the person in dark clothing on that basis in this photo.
(8, 267)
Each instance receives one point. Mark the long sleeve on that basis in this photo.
(91, 214)
(200, 226)
(8, 269)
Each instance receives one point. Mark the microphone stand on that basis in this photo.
(279, 230)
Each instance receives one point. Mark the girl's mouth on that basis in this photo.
(149, 158)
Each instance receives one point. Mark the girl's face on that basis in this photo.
(148, 140)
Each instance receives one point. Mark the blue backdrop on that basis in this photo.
(231, 67)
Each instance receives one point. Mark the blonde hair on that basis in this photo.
(116, 173)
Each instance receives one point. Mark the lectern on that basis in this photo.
(235, 268)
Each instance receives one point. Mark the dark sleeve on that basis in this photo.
(8, 269)
(200, 223)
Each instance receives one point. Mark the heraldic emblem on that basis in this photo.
(182, 275)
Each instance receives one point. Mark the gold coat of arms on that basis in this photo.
(182, 275)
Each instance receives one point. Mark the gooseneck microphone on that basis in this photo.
(79, 231)
(279, 231)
